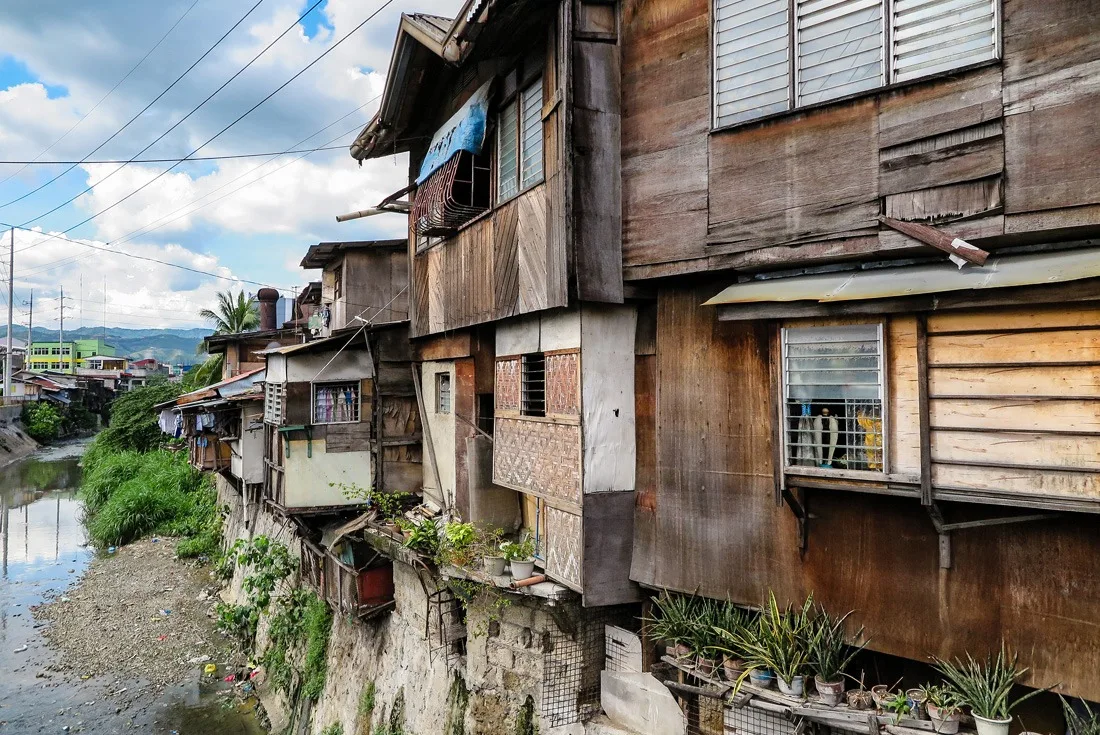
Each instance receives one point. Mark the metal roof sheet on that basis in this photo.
(998, 272)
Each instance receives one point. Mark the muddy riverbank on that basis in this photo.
(93, 660)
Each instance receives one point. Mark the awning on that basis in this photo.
(464, 131)
(880, 283)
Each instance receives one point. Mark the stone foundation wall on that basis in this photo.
(510, 656)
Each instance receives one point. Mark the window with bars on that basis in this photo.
(776, 55)
(456, 193)
(533, 385)
(519, 142)
(833, 386)
(274, 401)
(336, 403)
(442, 392)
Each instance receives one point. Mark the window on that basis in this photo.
(840, 47)
(519, 142)
(274, 400)
(453, 195)
(442, 392)
(833, 397)
(533, 385)
(55, 350)
(336, 403)
(338, 282)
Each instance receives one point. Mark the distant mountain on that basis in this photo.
(167, 345)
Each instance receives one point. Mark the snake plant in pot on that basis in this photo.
(944, 708)
(673, 622)
(831, 650)
(985, 688)
(779, 642)
(730, 627)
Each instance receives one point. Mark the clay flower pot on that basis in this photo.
(732, 667)
(705, 666)
(493, 565)
(945, 722)
(830, 692)
(880, 693)
(860, 699)
(682, 652)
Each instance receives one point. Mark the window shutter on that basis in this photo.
(931, 36)
(839, 48)
(752, 62)
(531, 109)
(507, 145)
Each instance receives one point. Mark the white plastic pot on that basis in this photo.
(523, 569)
(493, 565)
(992, 727)
(794, 688)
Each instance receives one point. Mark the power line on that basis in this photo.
(182, 119)
(101, 99)
(170, 160)
(278, 89)
(143, 110)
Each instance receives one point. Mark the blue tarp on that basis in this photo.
(465, 131)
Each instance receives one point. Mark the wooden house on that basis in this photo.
(340, 420)
(825, 401)
(353, 270)
(510, 116)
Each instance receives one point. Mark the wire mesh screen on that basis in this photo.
(622, 650)
(572, 662)
(753, 720)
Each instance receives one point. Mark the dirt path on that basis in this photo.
(138, 613)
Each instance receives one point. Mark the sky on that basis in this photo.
(249, 219)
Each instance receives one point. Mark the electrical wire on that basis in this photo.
(173, 160)
(278, 89)
(179, 122)
(97, 104)
(143, 110)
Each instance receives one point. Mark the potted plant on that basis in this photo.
(730, 626)
(672, 623)
(488, 543)
(1081, 724)
(917, 703)
(779, 643)
(880, 694)
(705, 641)
(456, 547)
(896, 704)
(830, 653)
(521, 555)
(985, 686)
(943, 708)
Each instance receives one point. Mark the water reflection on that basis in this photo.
(36, 529)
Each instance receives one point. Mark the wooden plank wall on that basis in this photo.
(711, 525)
(512, 260)
(998, 151)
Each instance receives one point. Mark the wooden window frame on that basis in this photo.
(886, 75)
(883, 397)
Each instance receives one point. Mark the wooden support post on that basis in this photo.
(923, 409)
(945, 551)
(959, 250)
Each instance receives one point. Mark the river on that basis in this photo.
(43, 555)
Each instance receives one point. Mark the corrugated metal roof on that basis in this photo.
(999, 272)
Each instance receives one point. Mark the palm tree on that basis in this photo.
(235, 314)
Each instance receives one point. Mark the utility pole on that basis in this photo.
(30, 320)
(61, 331)
(11, 307)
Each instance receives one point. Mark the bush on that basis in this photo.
(41, 420)
(128, 495)
(133, 424)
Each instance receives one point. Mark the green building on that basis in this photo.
(65, 357)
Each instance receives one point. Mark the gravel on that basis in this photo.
(138, 613)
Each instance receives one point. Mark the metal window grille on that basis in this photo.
(841, 47)
(336, 403)
(533, 385)
(833, 391)
(442, 392)
(530, 103)
(274, 400)
(456, 193)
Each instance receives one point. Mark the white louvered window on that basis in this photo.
(840, 48)
(519, 142)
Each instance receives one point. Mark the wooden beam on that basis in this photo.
(923, 411)
(953, 246)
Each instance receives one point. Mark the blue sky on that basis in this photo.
(59, 62)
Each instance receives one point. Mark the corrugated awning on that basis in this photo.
(880, 283)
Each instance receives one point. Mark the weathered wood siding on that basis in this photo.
(711, 524)
(1002, 150)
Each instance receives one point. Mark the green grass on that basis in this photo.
(128, 495)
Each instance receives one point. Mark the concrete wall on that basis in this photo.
(308, 478)
(442, 429)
